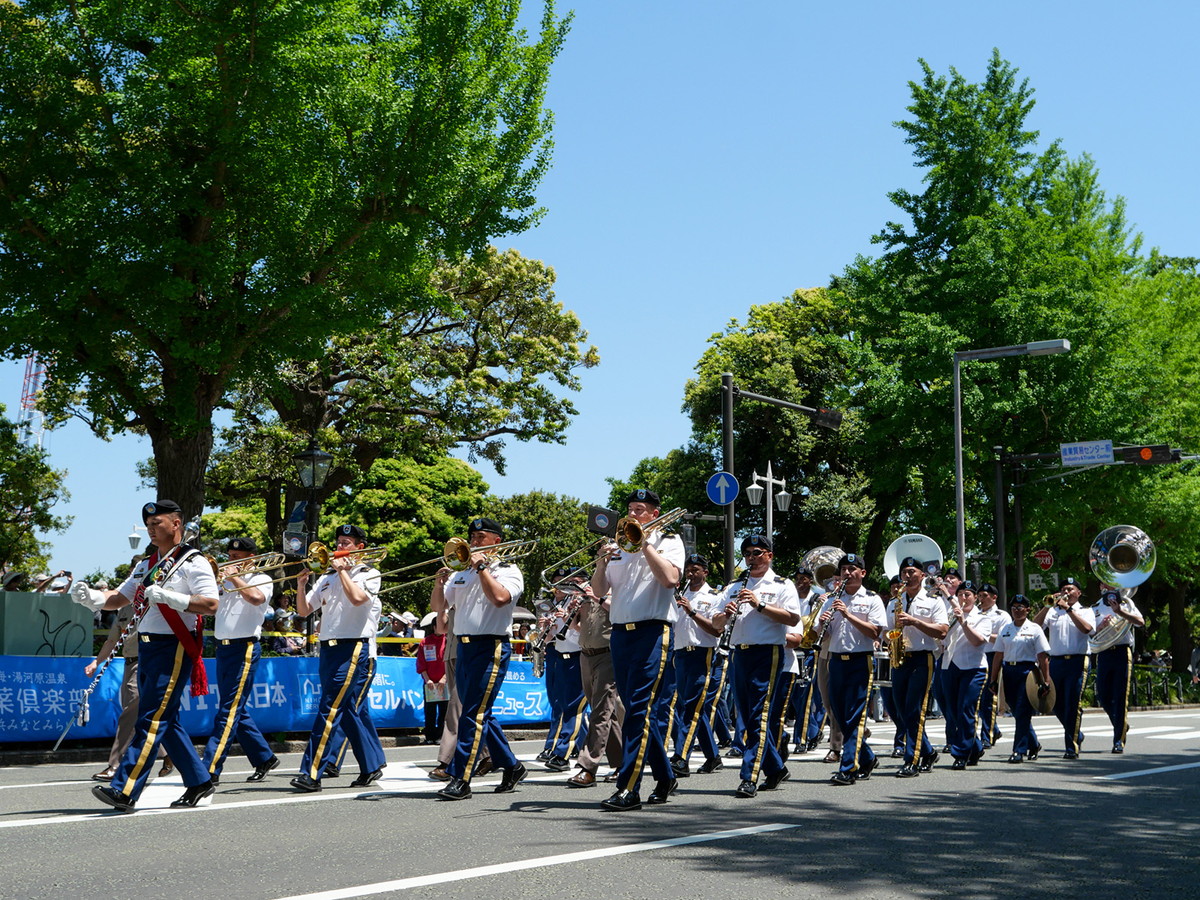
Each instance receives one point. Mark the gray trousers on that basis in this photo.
(604, 731)
(129, 712)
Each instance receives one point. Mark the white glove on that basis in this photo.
(173, 599)
(86, 596)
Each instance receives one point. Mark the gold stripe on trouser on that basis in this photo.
(489, 697)
(358, 702)
(319, 753)
(670, 717)
(155, 722)
(1125, 699)
(712, 713)
(219, 753)
(639, 758)
(924, 706)
(578, 723)
(783, 714)
(764, 719)
(862, 728)
(802, 732)
(690, 735)
(1079, 706)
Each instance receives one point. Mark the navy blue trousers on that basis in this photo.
(1025, 739)
(639, 663)
(164, 673)
(755, 674)
(962, 689)
(1113, 669)
(696, 692)
(850, 676)
(1068, 674)
(987, 711)
(806, 700)
(237, 661)
(479, 673)
(568, 705)
(345, 667)
(911, 684)
(338, 744)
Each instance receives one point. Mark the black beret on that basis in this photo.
(158, 508)
(756, 540)
(1019, 600)
(696, 560)
(242, 543)
(852, 559)
(803, 571)
(910, 561)
(483, 523)
(351, 531)
(953, 570)
(988, 588)
(966, 586)
(641, 495)
(1068, 580)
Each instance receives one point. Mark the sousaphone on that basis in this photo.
(1122, 556)
(916, 545)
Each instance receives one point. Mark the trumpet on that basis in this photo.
(456, 556)
(319, 556)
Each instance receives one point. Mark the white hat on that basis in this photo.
(428, 619)
(408, 617)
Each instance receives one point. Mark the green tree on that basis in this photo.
(29, 491)
(193, 194)
(488, 363)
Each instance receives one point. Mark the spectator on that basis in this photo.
(431, 666)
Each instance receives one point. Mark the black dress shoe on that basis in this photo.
(512, 777)
(456, 789)
(663, 790)
(215, 779)
(1016, 758)
(897, 753)
(865, 770)
(908, 770)
(842, 778)
(543, 756)
(1070, 754)
(680, 767)
(557, 764)
(622, 801)
(710, 766)
(800, 748)
(113, 798)
(926, 764)
(785, 751)
(1033, 754)
(974, 757)
(331, 771)
(746, 789)
(260, 772)
(193, 795)
(771, 782)
(305, 782)
(366, 779)
(1118, 747)
(959, 765)
(812, 743)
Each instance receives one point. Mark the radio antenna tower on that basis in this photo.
(31, 424)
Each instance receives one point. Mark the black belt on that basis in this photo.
(748, 646)
(1018, 662)
(1065, 655)
(147, 638)
(467, 638)
(909, 654)
(597, 651)
(225, 642)
(333, 642)
(647, 623)
(569, 654)
(846, 656)
(696, 647)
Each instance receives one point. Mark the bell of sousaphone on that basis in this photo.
(916, 545)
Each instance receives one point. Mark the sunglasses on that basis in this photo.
(756, 553)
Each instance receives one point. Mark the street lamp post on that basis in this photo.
(135, 539)
(312, 466)
(1035, 348)
(782, 500)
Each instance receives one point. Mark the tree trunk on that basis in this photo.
(181, 461)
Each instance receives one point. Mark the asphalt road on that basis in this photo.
(1102, 826)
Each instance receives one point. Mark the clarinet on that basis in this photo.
(726, 641)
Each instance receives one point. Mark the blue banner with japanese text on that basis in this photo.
(38, 695)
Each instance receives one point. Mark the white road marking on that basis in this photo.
(403, 884)
(1187, 735)
(1140, 772)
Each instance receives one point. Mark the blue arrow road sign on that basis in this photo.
(722, 489)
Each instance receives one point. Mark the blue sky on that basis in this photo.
(710, 156)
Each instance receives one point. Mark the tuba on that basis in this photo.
(1122, 556)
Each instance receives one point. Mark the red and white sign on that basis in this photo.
(1045, 559)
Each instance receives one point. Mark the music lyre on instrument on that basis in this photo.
(1122, 556)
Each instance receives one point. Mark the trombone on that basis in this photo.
(631, 533)
(456, 556)
(251, 565)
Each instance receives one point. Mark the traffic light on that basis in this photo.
(1148, 455)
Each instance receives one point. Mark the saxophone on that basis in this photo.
(896, 637)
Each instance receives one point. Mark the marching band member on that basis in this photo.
(1020, 647)
(348, 596)
(568, 705)
(946, 588)
(170, 589)
(963, 675)
(989, 703)
(695, 650)
(1068, 625)
(599, 686)
(806, 702)
(483, 596)
(853, 618)
(237, 627)
(885, 691)
(643, 598)
(785, 685)
(764, 605)
(1114, 664)
(921, 617)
